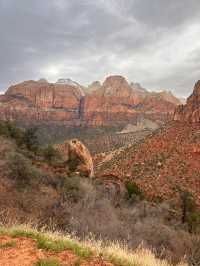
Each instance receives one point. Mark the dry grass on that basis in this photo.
(112, 252)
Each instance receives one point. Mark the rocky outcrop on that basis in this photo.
(115, 102)
(77, 157)
(190, 112)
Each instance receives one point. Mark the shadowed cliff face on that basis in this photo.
(190, 112)
(114, 102)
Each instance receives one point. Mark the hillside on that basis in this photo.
(165, 162)
(168, 161)
(27, 247)
(44, 188)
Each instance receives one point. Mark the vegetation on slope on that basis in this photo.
(165, 163)
(34, 188)
(86, 253)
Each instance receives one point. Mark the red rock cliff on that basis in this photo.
(190, 112)
(115, 102)
(118, 102)
(41, 101)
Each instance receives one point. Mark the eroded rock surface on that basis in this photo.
(77, 157)
(190, 112)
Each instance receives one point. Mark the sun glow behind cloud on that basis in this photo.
(51, 72)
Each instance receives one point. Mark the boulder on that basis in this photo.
(77, 157)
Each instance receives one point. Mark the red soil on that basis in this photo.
(164, 163)
(26, 253)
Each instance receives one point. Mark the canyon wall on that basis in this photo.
(190, 112)
(112, 103)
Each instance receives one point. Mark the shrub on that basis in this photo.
(133, 190)
(72, 188)
(190, 214)
(30, 139)
(9, 129)
(187, 204)
(50, 154)
(4, 129)
(21, 169)
(193, 221)
(73, 163)
(27, 137)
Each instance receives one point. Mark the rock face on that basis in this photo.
(190, 112)
(77, 157)
(96, 85)
(115, 102)
(41, 101)
(168, 96)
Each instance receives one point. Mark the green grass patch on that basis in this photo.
(48, 262)
(9, 244)
(49, 243)
(23, 233)
(60, 245)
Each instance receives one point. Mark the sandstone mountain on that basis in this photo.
(190, 112)
(118, 102)
(40, 101)
(115, 102)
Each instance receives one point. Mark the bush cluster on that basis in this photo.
(23, 137)
(133, 190)
(21, 169)
(190, 213)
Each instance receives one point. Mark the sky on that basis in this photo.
(155, 43)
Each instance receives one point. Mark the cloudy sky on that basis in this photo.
(156, 43)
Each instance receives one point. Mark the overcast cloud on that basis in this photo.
(152, 42)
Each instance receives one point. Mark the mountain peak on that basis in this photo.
(115, 80)
(116, 86)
